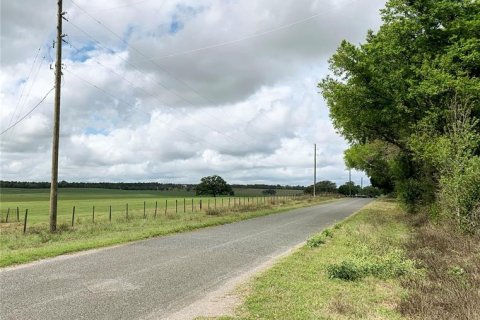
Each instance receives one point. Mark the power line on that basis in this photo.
(165, 70)
(142, 54)
(206, 99)
(31, 87)
(134, 86)
(136, 68)
(28, 113)
(23, 88)
(230, 42)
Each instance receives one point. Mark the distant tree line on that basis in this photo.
(267, 186)
(102, 185)
(132, 185)
(347, 189)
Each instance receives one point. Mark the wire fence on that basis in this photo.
(17, 217)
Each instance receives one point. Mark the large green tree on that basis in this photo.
(214, 186)
(382, 92)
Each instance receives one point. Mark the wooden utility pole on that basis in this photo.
(314, 169)
(56, 121)
(350, 181)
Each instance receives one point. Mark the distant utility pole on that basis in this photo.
(56, 121)
(349, 181)
(361, 182)
(314, 169)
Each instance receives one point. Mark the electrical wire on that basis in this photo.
(141, 53)
(28, 113)
(23, 88)
(247, 37)
(133, 85)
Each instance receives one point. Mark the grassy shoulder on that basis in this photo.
(351, 271)
(38, 243)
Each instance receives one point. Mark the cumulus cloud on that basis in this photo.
(175, 90)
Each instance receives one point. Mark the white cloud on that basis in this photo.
(248, 110)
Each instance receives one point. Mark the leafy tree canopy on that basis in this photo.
(322, 186)
(214, 185)
(349, 189)
(382, 93)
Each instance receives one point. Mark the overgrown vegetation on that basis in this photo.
(449, 289)
(408, 100)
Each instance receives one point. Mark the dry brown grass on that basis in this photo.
(450, 288)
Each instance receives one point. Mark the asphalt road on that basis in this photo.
(156, 277)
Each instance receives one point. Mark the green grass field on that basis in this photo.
(84, 199)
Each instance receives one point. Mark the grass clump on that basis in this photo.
(319, 239)
(346, 270)
(391, 265)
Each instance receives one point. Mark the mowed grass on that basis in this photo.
(89, 233)
(351, 271)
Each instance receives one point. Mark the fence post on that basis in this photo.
(110, 214)
(200, 204)
(192, 204)
(176, 205)
(166, 205)
(18, 214)
(25, 222)
(144, 210)
(208, 202)
(93, 214)
(126, 211)
(184, 205)
(156, 205)
(222, 202)
(73, 215)
(215, 202)
(229, 202)
(8, 213)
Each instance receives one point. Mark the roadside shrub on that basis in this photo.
(327, 233)
(346, 270)
(319, 239)
(460, 194)
(391, 265)
(316, 241)
(453, 158)
(214, 212)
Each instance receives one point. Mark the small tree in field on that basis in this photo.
(214, 186)
(269, 192)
